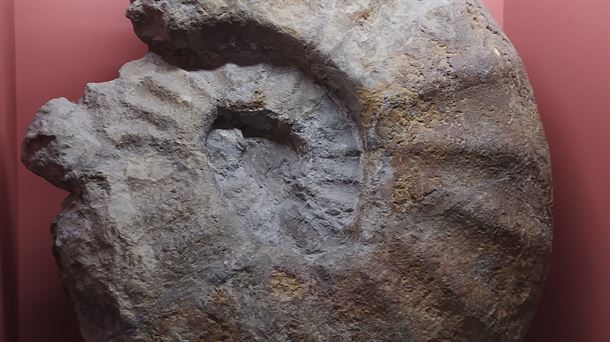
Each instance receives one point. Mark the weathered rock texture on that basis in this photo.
(312, 170)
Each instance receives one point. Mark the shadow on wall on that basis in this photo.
(8, 262)
(8, 279)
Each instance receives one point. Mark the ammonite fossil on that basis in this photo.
(321, 170)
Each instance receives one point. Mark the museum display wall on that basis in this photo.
(62, 45)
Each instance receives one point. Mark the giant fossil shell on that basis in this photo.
(295, 170)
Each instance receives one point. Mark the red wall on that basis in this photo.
(496, 7)
(8, 283)
(62, 44)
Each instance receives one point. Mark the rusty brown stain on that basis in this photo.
(202, 325)
(362, 16)
(286, 286)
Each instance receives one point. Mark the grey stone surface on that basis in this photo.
(303, 171)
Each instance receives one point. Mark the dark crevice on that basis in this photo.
(259, 124)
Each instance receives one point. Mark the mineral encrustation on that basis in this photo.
(299, 170)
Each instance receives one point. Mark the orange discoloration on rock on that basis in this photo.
(202, 326)
(286, 286)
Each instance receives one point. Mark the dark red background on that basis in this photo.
(61, 45)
